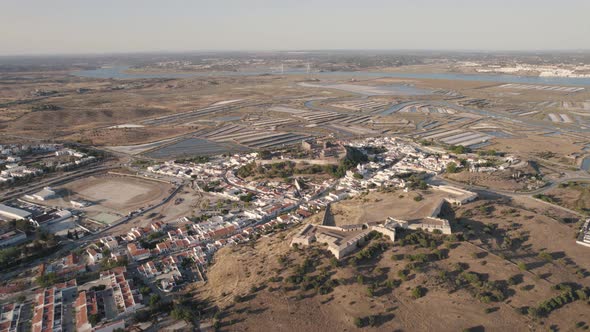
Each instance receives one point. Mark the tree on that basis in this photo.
(154, 300)
(360, 279)
(99, 288)
(333, 262)
(545, 256)
(93, 319)
(402, 274)
(358, 322)
(533, 312)
(425, 142)
(265, 154)
(8, 255)
(187, 263)
(451, 167)
(142, 316)
(182, 313)
(418, 292)
(155, 235)
(459, 149)
(247, 198)
(47, 280)
(488, 153)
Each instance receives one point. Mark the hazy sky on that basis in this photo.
(104, 26)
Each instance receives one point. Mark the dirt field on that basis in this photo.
(114, 193)
(378, 206)
(190, 204)
(535, 144)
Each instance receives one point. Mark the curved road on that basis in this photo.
(550, 185)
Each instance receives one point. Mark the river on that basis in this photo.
(120, 72)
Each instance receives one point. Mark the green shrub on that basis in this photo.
(418, 292)
(545, 256)
(358, 322)
(360, 279)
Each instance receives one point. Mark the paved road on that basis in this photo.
(550, 185)
(69, 176)
(489, 192)
(70, 245)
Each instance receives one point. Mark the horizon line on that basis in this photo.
(147, 52)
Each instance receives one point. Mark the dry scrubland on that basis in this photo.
(572, 195)
(500, 263)
(105, 108)
(85, 116)
(500, 180)
(536, 144)
(129, 136)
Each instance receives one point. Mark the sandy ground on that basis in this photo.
(113, 193)
(170, 212)
(378, 206)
